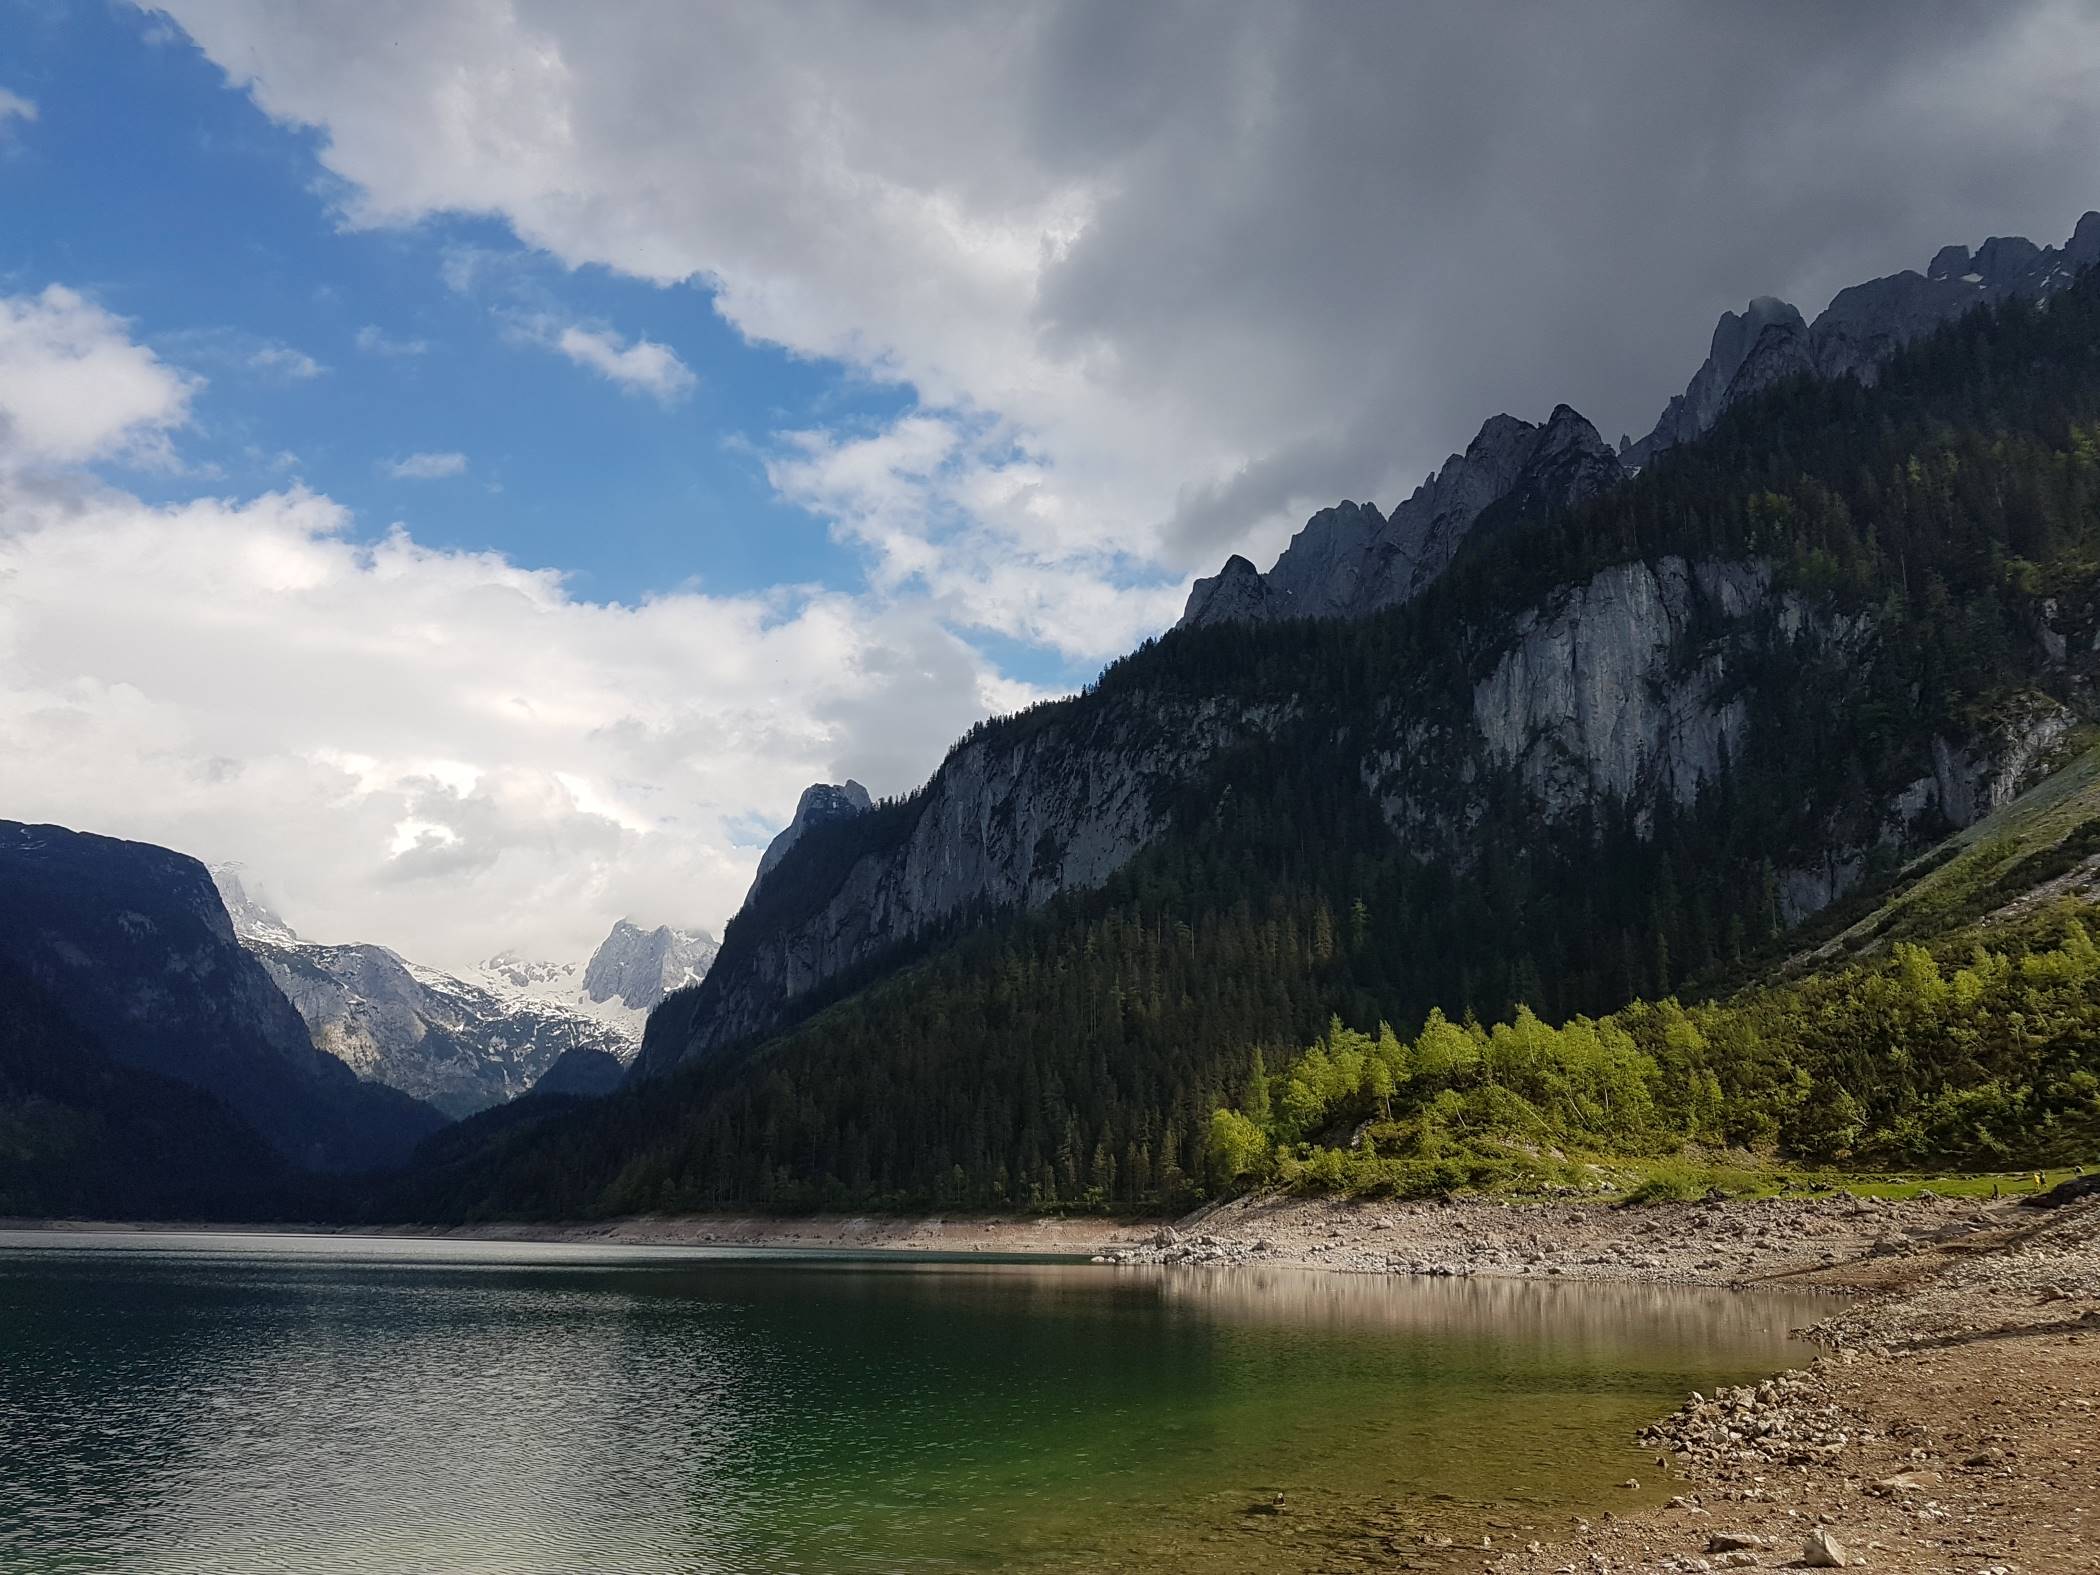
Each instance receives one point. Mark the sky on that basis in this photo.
(472, 462)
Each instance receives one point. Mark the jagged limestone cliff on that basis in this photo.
(1351, 560)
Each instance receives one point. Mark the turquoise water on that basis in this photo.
(225, 1404)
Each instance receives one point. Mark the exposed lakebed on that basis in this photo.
(176, 1403)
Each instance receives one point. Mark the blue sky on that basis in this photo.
(474, 461)
(214, 228)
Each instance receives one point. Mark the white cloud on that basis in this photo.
(15, 107)
(74, 388)
(443, 751)
(283, 361)
(949, 510)
(237, 351)
(426, 467)
(643, 367)
(374, 340)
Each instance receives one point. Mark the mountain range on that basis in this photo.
(1350, 559)
(464, 1044)
(1618, 681)
(1577, 724)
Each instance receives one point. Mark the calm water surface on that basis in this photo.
(324, 1405)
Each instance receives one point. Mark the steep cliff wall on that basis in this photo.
(1010, 820)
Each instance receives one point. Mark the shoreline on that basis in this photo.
(1947, 1426)
(1837, 1242)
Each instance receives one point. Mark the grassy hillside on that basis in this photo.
(2042, 846)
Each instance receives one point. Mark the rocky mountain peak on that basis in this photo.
(2083, 248)
(639, 967)
(1237, 593)
(1863, 325)
(1567, 430)
(1949, 262)
(253, 918)
(1751, 349)
(820, 802)
(1350, 559)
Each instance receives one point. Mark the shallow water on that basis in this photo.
(329, 1405)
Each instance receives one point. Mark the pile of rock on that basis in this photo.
(1170, 1246)
(1785, 1420)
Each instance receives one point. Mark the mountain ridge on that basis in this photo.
(134, 944)
(1350, 560)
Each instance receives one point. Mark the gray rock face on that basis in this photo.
(1010, 820)
(638, 967)
(1236, 593)
(1350, 559)
(1863, 325)
(458, 1045)
(1751, 351)
(1589, 704)
(820, 804)
(133, 942)
(447, 1042)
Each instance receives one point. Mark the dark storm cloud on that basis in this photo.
(1403, 219)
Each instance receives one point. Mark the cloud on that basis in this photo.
(283, 361)
(74, 388)
(948, 509)
(237, 351)
(15, 107)
(444, 751)
(643, 367)
(374, 340)
(426, 467)
(1209, 266)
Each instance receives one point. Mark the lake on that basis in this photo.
(221, 1404)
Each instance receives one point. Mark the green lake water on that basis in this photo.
(326, 1405)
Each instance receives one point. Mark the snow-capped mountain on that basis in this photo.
(462, 1044)
(630, 972)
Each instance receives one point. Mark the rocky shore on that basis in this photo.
(1833, 1241)
(1950, 1425)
